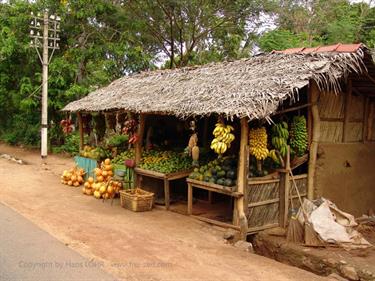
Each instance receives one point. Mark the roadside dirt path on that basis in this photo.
(155, 245)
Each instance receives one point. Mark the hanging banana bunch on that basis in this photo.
(280, 137)
(258, 143)
(223, 138)
(298, 135)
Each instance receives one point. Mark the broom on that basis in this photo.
(311, 237)
(295, 230)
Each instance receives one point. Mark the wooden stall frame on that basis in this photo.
(80, 128)
(211, 187)
(284, 188)
(239, 216)
(315, 122)
(165, 177)
(254, 229)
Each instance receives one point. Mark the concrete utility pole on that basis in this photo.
(50, 26)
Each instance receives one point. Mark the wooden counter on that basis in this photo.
(161, 176)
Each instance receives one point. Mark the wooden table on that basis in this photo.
(211, 187)
(165, 177)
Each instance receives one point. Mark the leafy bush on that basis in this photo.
(71, 145)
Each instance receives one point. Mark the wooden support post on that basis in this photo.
(348, 98)
(138, 145)
(309, 119)
(240, 218)
(284, 193)
(80, 127)
(190, 199)
(166, 193)
(314, 92)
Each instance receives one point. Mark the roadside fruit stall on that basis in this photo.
(252, 128)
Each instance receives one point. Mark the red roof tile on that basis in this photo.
(340, 48)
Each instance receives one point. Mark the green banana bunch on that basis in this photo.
(223, 138)
(258, 143)
(298, 135)
(280, 135)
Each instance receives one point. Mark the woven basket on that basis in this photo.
(136, 200)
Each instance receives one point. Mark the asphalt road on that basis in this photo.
(29, 253)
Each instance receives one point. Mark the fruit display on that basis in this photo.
(193, 145)
(258, 143)
(73, 177)
(67, 126)
(165, 161)
(298, 135)
(117, 140)
(88, 186)
(280, 137)
(120, 158)
(105, 172)
(223, 138)
(130, 128)
(96, 153)
(104, 187)
(222, 171)
(106, 190)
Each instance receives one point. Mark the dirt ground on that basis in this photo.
(156, 245)
(322, 261)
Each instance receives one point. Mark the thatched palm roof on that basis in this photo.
(252, 87)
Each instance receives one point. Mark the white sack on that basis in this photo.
(324, 224)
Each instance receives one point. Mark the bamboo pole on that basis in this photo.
(309, 119)
(241, 219)
(138, 147)
(284, 193)
(348, 98)
(314, 92)
(80, 128)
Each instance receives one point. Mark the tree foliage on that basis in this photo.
(320, 22)
(96, 48)
(102, 40)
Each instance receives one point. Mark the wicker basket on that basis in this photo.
(137, 200)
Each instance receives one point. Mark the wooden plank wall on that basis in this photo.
(331, 111)
(263, 201)
(260, 209)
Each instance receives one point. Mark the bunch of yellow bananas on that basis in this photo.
(258, 143)
(223, 138)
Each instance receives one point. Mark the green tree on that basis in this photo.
(195, 31)
(96, 48)
(320, 22)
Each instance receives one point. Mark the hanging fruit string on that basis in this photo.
(223, 137)
(280, 137)
(298, 135)
(258, 145)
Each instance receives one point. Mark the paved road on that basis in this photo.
(31, 254)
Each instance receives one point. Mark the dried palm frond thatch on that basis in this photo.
(252, 87)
